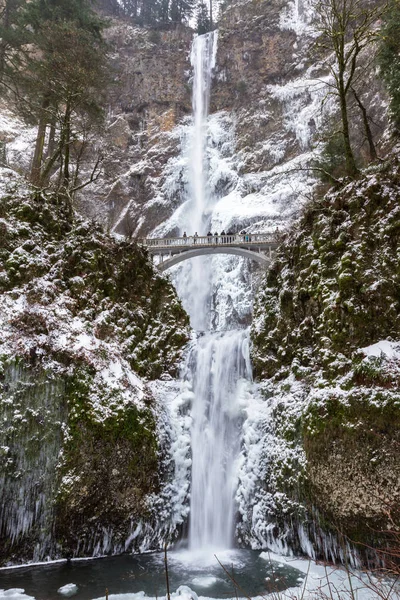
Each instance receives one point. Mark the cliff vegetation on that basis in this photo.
(85, 321)
(326, 343)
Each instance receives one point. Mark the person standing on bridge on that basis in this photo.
(209, 236)
(184, 235)
(223, 239)
(216, 237)
(195, 237)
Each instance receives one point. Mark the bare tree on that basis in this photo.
(346, 28)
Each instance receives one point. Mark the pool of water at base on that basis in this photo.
(129, 574)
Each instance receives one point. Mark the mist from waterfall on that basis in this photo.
(218, 366)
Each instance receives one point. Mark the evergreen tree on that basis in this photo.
(9, 39)
(203, 23)
(155, 13)
(389, 58)
(181, 10)
(60, 78)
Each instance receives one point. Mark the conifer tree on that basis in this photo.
(9, 39)
(60, 78)
(203, 24)
(156, 13)
(389, 58)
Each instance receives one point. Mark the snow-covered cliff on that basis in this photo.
(85, 460)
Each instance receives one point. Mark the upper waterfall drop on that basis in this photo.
(194, 280)
(203, 60)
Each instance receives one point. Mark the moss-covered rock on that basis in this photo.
(85, 321)
(49, 255)
(333, 290)
(110, 468)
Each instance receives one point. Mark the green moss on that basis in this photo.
(357, 420)
(110, 465)
(333, 289)
(337, 265)
(103, 277)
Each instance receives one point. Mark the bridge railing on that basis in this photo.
(209, 240)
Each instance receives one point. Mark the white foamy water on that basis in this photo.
(203, 58)
(220, 364)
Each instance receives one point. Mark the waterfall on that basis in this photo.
(219, 363)
(202, 57)
(194, 281)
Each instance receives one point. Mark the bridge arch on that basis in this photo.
(186, 255)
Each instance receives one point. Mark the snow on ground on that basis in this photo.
(385, 348)
(333, 582)
(18, 140)
(14, 594)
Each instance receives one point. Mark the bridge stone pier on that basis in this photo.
(259, 247)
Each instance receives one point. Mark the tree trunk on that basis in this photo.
(47, 169)
(372, 150)
(51, 146)
(211, 15)
(3, 45)
(39, 145)
(351, 167)
(67, 142)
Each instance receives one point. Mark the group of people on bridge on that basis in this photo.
(223, 237)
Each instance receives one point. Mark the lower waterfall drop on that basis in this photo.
(220, 368)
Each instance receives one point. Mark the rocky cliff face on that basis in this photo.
(325, 336)
(149, 96)
(85, 323)
(268, 88)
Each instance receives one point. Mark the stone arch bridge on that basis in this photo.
(259, 247)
